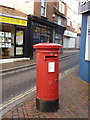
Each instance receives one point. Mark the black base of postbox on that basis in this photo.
(47, 106)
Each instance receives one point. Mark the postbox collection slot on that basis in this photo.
(50, 56)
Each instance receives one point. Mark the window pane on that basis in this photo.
(60, 6)
(36, 37)
(43, 31)
(37, 30)
(57, 36)
(19, 37)
(42, 11)
(43, 3)
(19, 50)
(59, 20)
(63, 8)
(48, 38)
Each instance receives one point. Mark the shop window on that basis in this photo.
(36, 36)
(42, 39)
(36, 29)
(43, 8)
(43, 35)
(5, 43)
(19, 41)
(19, 51)
(19, 37)
(43, 31)
(48, 31)
(48, 36)
(58, 38)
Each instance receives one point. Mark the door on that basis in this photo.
(19, 42)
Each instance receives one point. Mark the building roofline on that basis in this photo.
(7, 7)
(16, 12)
(17, 17)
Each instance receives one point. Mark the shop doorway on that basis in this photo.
(19, 42)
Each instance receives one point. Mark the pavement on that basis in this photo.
(73, 102)
(73, 97)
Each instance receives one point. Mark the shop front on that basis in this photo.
(69, 40)
(40, 30)
(45, 34)
(12, 36)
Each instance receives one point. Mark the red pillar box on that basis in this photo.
(47, 72)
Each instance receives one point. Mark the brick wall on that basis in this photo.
(11, 11)
(37, 9)
(49, 11)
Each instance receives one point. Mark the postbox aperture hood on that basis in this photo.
(47, 45)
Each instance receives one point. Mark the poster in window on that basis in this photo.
(19, 37)
(87, 47)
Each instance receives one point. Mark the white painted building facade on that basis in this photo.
(70, 39)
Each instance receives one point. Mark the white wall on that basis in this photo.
(72, 12)
(8, 3)
(73, 4)
(25, 6)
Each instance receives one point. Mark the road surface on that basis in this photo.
(18, 82)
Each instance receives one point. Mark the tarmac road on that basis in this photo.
(18, 82)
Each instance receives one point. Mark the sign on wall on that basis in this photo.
(87, 48)
(82, 2)
(84, 5)
(4, 19)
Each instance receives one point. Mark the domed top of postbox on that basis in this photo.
(47, 46)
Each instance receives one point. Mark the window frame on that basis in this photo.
(59, 20)
(43, 8)
(62, 7)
